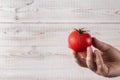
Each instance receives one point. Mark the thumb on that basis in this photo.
(100, 45)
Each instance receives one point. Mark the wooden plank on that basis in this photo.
(69, 15)
(85, 11)
(53, 34)
(42, 65)
(48, 15)
(62, 69)
(34, 51)
(61, 3)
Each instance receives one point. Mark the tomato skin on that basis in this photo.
(79, 42)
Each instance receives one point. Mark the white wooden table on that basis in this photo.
(33, 36)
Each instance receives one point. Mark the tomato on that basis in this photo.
(79, 40)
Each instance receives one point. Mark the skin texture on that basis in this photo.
(104, 61)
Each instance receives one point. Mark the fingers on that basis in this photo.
(102, 69)
(90, 59)
(79, 59)
(101, 45)
(99, 62)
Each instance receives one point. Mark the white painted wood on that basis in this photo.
(61, 3)
(43, 65)
(54, 67)
(68, 15)
(60, 11)
(37, 14)
(53, 34)
(40, 51)
(51, 66)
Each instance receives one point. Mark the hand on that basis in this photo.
(104, 61)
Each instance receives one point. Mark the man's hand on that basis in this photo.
(104, 61)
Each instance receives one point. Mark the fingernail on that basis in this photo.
(88, 48)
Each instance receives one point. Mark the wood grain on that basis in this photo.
(63, 11)
(44, 15)
(53, 34)
(61, 3)
(56, 67)
(40, 51)
(43, 66)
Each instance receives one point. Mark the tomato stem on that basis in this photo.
(80, 31)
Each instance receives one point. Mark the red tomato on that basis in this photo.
(79, 40)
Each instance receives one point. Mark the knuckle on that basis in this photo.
(108, 47)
